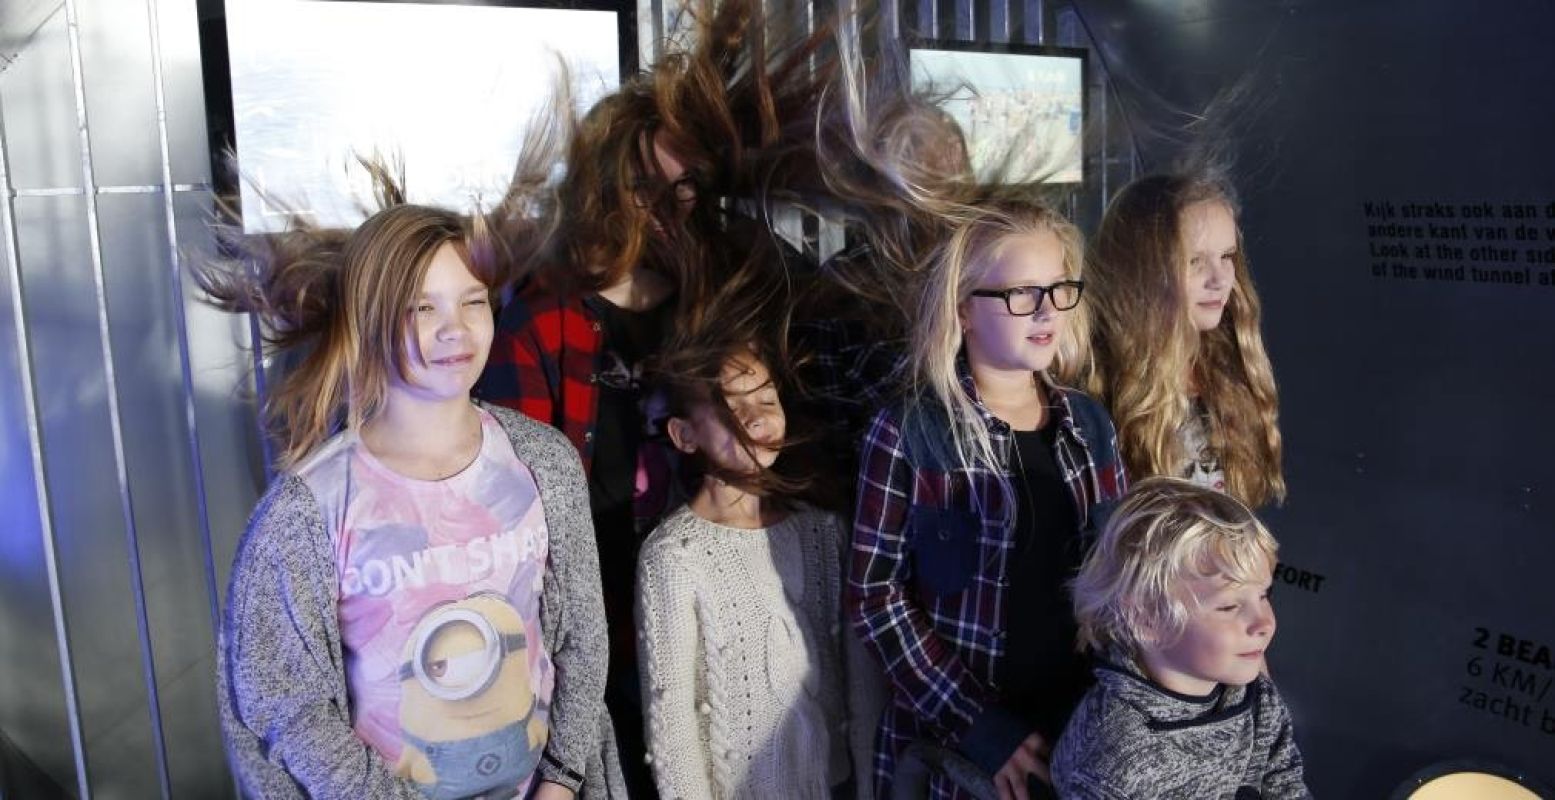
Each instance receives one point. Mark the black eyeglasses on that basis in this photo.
(1023, 301)
(646, 192)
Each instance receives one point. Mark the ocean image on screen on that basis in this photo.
(1022, 115)
(446, 90)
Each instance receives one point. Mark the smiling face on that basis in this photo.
(1229, 627)
(747, 387)
(1208, 243)
(449, 332)
(999, 340)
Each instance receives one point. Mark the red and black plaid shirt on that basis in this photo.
(544, 363)
(931, 544)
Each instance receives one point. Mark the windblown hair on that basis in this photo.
(896, 170)
(603, 229)
(895, 167)
(1132, 589)
(976, 243)
(748, 319)
(730, 105)
(1147, 350)
(341, 300)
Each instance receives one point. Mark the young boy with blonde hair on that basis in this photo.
(1174, 602)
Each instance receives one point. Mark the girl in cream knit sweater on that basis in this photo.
(738, 607)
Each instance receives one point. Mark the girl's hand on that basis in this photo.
(552, 791)
(1030, 758)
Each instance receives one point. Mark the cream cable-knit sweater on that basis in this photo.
(741, 657)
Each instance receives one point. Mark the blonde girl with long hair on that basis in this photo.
(1179, 358)
(414, 610)
(976, 495)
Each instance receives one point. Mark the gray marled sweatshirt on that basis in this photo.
(281, 680)
(1131, 738)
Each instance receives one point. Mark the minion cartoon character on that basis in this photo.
(467, 709)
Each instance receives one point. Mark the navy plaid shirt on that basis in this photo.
(931, 544)
(847, 376)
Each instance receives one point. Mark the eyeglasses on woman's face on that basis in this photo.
(1023, 301)
(646, 192)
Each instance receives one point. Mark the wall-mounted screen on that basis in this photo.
(446, 89)
(1021, 108)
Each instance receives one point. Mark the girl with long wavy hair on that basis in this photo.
(977, 493)
(414, 610)
(1179, 358)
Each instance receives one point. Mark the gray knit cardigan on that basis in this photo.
(281, 680)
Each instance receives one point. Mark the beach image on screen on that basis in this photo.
(1022, 115)
(448, 90)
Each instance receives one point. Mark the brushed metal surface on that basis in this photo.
(38, 702)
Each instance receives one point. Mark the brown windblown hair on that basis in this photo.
(749, 317)
(731, 105)
(341, 299)
(1146, 347)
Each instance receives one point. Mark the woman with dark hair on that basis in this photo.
(640, 233)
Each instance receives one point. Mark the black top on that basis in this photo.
(1041, 677)
(629, 337)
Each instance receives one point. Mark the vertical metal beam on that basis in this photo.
(115, 420)
(35, 451)
(946, 19)
(988, 21)
(180, 320)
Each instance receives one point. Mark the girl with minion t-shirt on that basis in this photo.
(414, 610)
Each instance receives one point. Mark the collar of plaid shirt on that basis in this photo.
(1075, 452)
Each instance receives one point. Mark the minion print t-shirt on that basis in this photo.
(439, 612)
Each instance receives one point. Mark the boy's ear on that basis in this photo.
(1147, 635)
(679, 432)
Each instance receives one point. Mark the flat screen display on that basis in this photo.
(447, 90)
(1021, 109)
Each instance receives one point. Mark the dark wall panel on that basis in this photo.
(1413, 407)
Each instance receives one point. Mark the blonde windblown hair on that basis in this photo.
(1132, 589)
(978, 237)
(1147, 350)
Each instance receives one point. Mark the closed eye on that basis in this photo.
(1232, 607)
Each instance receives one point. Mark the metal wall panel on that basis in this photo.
(156, 438)
(1414, 412)
(41, 118)
(85, 498)
(32, 695)
(116, 62)
(183, 84)
(226, 411)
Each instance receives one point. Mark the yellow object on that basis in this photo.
(1472, 786)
